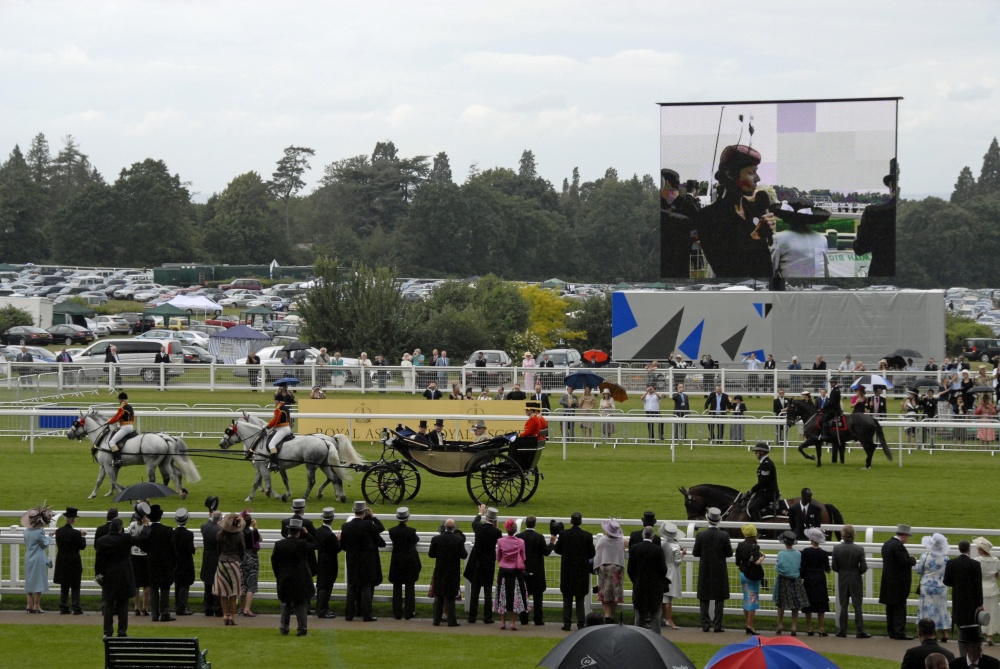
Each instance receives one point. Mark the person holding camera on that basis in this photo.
(360, 539)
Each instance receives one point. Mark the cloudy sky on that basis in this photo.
(216, 89)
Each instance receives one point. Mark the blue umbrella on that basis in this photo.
(583, 380)
(768, 653)
(287, 381)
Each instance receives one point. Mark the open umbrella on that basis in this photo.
(583, 380)
(595, 356)
(295, 346)
(870, 380)
(925, 383)
(770, 653)
(616, 646)
(287, 381)
(906, 353)
(982, 389)
(618, 394)
(144, 490)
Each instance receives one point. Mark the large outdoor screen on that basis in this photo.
(789, 189)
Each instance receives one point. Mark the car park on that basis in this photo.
(244, 284)
(197, 355)
(137, 357)
(26, 334)
(114, 324)
(207, 329)
(224, 321)
(128, 292)
(71, 334)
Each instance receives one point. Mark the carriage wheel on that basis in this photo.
(382, 484)
(497, 479)
(411, 479)
(532, 477)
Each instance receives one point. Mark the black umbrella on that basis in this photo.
(982, 389)
(906, 353)
(583, 380)
(616, 646)
(144, 490)
(926, 383)
(295, 346)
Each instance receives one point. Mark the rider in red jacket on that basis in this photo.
(282, 424)
(125, 417)
(536, 425)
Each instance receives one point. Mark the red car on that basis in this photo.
(225, 321)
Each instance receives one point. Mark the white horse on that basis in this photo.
(150, 449)
(333, 455)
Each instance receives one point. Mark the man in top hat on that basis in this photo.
(965, 578)
(535, 550)
(712, 546)
(210, 556)
(970, 637)
(298, 511)
(804, 515)
(281, 422)
(103, 529)
(69, 567)
(437, 435)
(877, 229)
(294, 563)
(183, 562)
(766, 490)
(648, 520)
(849, 564)
(328, 545)
(447, 550)
(915, 657)
(125, 417)
(481, 566)
(677, 211)
(404, 565)
(421, 434)
(536, 425)
(576, 547)
(736, 230)
(897, 582)
(479, 430)
(360, 539)
(647, 569)
(162, 564)
(113, 566)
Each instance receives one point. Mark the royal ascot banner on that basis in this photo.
(363, 428)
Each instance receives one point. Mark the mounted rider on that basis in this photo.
(125, 417)
(536, 425)
(282, 424)
(765, 492)
(831, 411)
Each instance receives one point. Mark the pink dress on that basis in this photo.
(529, 377)
(986, 433)
(510, 595)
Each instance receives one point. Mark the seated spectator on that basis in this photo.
(820, 364)
(432, 392)
(484, 394)
(317, 394)
(516, 393)
(931, 366)
(456, 393)
(469, 394)
(859, 366)
(846, 365)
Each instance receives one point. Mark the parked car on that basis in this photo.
(26, 334)
(983, 350)
(197, 355)
(238, 300)
(561, 358)
(10, 354)
(178, 323)
(224, 321)
(137, 357)
(114, 324)
(472, 376)
(128, 292)
(140, 323)
(100, 329)
(244, 284)
(270, 359)
(207, 329)
(71, 334)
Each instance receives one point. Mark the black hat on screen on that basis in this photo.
(671, 177)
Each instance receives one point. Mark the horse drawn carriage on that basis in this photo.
(502, 470)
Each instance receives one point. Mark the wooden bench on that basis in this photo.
(154, 653)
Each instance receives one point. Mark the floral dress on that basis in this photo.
(991, 592)
(986, 433)
(933, 592)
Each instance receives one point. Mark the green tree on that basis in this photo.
(618, 231)
(526, 167)
(989, 176)
(39, 160)
(286, 181)
(69, 172)
(955, 233)
(11, 316)
(153, 215)
(965, 187)
(80, 227)
(439, 219)
(460, 331)
(548, 317)
(593, 317)
(958, 328)
(243, 219)
(496, 304)
(441, 170)
(22, 212)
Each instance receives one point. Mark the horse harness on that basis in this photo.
(775, 509)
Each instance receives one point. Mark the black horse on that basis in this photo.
(698, 499)
(861, 427)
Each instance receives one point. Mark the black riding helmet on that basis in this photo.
(122, 396)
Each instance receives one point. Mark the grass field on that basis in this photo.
(67, 645)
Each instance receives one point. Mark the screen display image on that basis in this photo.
(789, 189)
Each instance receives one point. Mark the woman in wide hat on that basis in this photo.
(609, 565)
(228, 577)
(36, 561)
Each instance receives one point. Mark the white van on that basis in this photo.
(136, 357)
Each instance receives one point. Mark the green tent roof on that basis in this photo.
(166, 310)
(72, 308)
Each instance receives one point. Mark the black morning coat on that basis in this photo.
(293, 563)
(328, 546)
(647, 569)
(404, 564)
(360, 539)
(897, 572)
(159, 546)
(535, 550)
(576, 546)
(713, 547)
(448, 551)
(184, 554)
(114, 563)
(483, 558)
(69, 566)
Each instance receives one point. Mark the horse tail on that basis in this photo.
(183, 462)
(345, 450)
(881, 440)
(836, 517)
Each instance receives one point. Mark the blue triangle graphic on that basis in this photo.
(759, 306)
(622, 318)
(692, 344)
(759, 352)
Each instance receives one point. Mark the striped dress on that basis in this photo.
(228, 582)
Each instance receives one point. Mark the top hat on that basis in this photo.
(142, 509)
(359, 506)
(969, 634)
(648, 518)
(555, 527)
(714, 516)
(212, 503)
(71, 512)
(902, 528)
(298, 504)
(491, 514)
(402, 513)
(181, 515)
(422, 423)
(155, 513)
(439, 422)
(691, 184)
(671, 177)
(532, 405)
(761, 447)
(295, 523)
(328, 513)
(798, 210)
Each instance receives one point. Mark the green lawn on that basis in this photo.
(81, 646)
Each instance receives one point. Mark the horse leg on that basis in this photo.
(802, 449)
(288, 490)
(113, 479)
(819, 451)
(319, 492)
(100, 479)
(869, 452)
(338, 484)
(310, 480)
(151, 470)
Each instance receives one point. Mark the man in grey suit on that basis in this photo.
(712, 546)
(849, 563)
